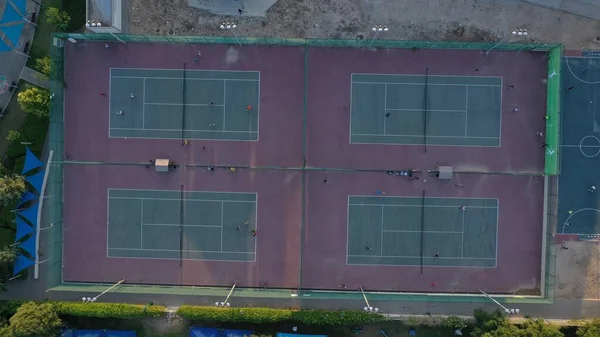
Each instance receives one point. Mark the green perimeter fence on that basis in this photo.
(54, 202)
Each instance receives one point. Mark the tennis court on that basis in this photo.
(426, 109)
(183, 103)
(404, 231)
(181, 225)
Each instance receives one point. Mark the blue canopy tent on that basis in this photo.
(204, 332)
(23, 229)
(36, 181)
(10, 15)
(22, 262)
(13, 33)
(28, 245)
(31, 161)
(30, 214)
(21, 5)
(28, 196)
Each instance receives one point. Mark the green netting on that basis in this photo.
(379, 43)
(553, 114)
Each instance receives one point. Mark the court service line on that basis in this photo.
(382, 230)
(426, 206)
(407, 231)
(177, 250)
(194, 192)
(187, 78)
(174, 130)
(384, 112)
(435, 84)
(179, 104)
(397, 75)
(466, 109)
(142, 224)
(224, 110)
(222, 207)
(175, 199)
(143, 103)
(430, 110)
(462, 137)
(431, 258)
(176, 225)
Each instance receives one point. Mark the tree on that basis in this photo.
(44, 66)
(34, 320)
(11, 187)
(454, 322)
(35, 101)
(591, 329)
(58, 18)
(13, 135)
(539, 328)
(7, 262)
(488, 322)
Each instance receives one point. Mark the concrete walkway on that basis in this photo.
(232, 7)
(35, 77)
(587, 8)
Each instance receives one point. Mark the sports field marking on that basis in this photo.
(158, 110)
(203, 234)
(388, 109)
(573, 74)
(464, 238)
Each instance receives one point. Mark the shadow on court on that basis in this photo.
(578, 206)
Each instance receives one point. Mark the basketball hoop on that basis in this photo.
(4, 85)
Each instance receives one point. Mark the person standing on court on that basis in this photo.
(592, 189)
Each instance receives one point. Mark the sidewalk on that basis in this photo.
(587, 8)
(35, 77)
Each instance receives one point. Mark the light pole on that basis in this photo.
(368, 308)
(226, 302)
(377, 29)
(95, 298)
(231, 26)
(517, 32)
(511, 311)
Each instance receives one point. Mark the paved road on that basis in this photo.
(587, 8)
(34, 77)
(231, 7)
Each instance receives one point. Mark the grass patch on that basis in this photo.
(42, 39)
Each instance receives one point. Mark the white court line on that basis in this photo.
(185, 250)
(178, 191)
(224, 100)
(187, 78)
(497, 217)
(583, 146)
(142, 224)
(174, 130)
(426, 206)
(466, 109)
(430, 110)
(415, 75)
(461, 137)
(418, 257)
(462, 235)
(439, 84)
(404, 197)
(347, 229)
(258, 112)
(185, 199)
(407, 231)
(109, 109)
(143, 103)
(186, 104)
(176, 225)
(572, 73)
(382, 230)
(500, 126)
(383, 143)
(107, 219)
(384, 109)
(222, 225)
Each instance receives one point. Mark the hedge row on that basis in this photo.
(108, 310)
(266, 315)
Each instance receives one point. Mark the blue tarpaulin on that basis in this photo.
(31, 161)
(204, 332)
(29, 245)
(28, 196)
(10, 15)
(36, 181)
(281, 334)
(21, 5)
(13, 33)
(23, 229)
(30, 214)
(236, 333)
(22, 262)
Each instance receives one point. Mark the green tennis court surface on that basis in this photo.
(194, 104)
(449, 110)
(391, 230)
(189, 225)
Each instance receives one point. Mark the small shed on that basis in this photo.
(445, 172)
(161, 165)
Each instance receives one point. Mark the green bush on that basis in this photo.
(266, 315)
(454, 322)
(107, 310)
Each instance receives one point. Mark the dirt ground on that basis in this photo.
(449, 20)
(578, 270)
